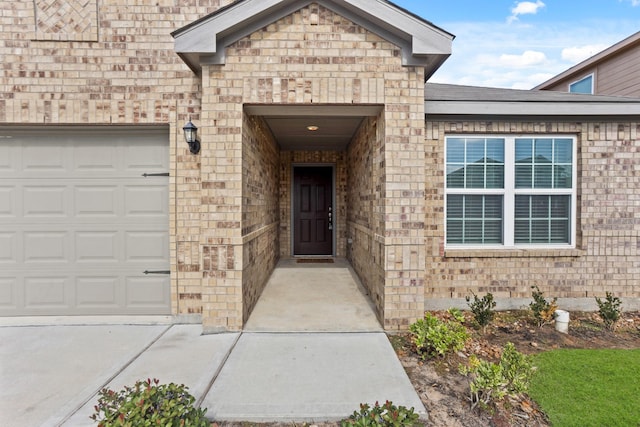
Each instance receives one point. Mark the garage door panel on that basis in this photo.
(8, 157)
(8, 202)
(96, 201)
(147, 246)
(146, 200)
(96, 159)
(47, 247)
(96, 247)
(79, 224)
(42, 157)
(98, 291)
(45, 201)
(147, 292)
(9, 293)
(141, 158)
(47, 292)
(9, 248)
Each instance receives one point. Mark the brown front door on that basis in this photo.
(313, 214)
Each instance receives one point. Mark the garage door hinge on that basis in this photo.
(157, 272)
(155, 174)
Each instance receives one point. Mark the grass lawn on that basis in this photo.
(583, 388)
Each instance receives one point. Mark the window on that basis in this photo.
(584, 85)
(510, 191)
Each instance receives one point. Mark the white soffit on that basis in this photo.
(204, 41)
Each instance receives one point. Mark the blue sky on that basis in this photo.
(520, 44)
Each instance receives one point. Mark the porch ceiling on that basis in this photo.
(336, 125)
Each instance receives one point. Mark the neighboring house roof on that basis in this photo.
(204, 41)
(590, 63)
(456, 100)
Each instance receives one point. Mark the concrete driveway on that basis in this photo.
(50, 374)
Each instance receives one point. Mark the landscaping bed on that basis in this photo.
(445, 392)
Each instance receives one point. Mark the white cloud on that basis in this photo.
(526, 8)
(527, 59)
(633, 2)
(517, 56)
(577, 54)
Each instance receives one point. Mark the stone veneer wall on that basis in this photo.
(366, 250)
(315, 56)
(607, 256)
(328, 158)
(112, 62)
(260, 213)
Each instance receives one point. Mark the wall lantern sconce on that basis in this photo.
(191, 136)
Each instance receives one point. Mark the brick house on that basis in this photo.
(318, 137)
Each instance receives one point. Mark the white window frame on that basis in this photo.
(593, 82)
(509, 193)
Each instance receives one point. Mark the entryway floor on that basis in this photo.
(313, 295)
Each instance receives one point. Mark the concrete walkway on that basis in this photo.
(50, 375)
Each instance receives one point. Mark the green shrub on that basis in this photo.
(482, 309)
(543, 310)
(609, 310)
(382, 416)
(148, 404)
(491, 382)
(436, 337)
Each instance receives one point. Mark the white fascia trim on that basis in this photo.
(532, 108)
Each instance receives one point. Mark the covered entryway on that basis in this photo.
(294, 83)
(313, 210)
(83, 215)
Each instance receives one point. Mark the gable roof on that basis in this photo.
(589, 63)
(460, 101)
(204, 41)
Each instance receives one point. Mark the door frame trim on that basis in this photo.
(333, 203)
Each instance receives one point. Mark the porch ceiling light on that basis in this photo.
(312, 128)
(191, 136)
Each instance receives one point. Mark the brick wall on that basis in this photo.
(366, 250)
(607, 254)
(260, 214)
(112, 62)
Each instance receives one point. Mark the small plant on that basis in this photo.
(609, 310)
(543, 310)
(436, 337)
(456, 313)
(482, 309)
(148, 403)
(490, 382)
(382, 416)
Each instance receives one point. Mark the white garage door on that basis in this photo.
(79, 223)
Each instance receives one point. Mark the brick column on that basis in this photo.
(221, 207)
(404, 201)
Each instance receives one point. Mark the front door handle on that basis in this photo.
(330, 219)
